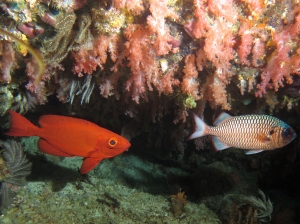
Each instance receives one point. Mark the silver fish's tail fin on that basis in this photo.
(199, 128)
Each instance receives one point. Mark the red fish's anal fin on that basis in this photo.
(20, 126)
(45, 147)
(89, 164)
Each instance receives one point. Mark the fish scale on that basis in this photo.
(250, 132)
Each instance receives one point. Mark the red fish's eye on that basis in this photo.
(112, 141)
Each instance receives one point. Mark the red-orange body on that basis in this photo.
(68, 136)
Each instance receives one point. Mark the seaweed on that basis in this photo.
(16, 162)
(17, 168)
(6, 196)
(263, 205)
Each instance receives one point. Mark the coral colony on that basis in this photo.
(191, 51)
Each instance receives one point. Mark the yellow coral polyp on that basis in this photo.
(129, 18)
(118, 21)
(20, 48)
(110, 21)
(190, 102)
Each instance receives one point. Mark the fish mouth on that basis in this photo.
(127, 146)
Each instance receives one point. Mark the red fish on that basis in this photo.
(68, 136)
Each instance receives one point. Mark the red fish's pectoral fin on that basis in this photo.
(45, 147)
(253, 152)
(218, 144)
(263, 138)
(89, 164)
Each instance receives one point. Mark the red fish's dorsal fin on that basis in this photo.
(54, 120)
(89, 164)
(20, 126)
(222, 117)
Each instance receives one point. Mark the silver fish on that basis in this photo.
(251, 132)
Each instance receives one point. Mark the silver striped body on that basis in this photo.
(250, 132)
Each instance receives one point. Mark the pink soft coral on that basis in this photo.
(142, 61)
(134, 6)
(190, 84)
(219, 48)
(7, 61)
(280, 64)
(198, 27)
(163, 42)
(94, 55)
(224, 8)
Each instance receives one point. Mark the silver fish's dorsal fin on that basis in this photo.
(218, 144)
(253, 152)
(222, 117)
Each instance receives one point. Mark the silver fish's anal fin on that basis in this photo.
(218, 144)
(222, 117)
(253, 152)
(199, 128)
(264, 138)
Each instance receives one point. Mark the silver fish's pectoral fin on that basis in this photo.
(264, 138)
(218, 144)
(253, 152)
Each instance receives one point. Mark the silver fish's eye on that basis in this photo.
(287, 132)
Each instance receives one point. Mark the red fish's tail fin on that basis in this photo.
(20, 126)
